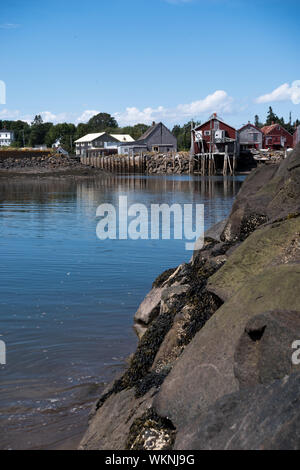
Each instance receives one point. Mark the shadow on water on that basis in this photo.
(67, 299)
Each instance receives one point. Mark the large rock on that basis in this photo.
(270, 192)
(109, 428)
(264, 350)
(147, 311)
(259, 418)
(206, 369)
(165, 291)
(271, 245)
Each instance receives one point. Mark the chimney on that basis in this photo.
(153, 123)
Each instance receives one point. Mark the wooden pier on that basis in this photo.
(204, 164)
(121, 164)
(211, 164)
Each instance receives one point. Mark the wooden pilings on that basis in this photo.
(204, 164)
(121, 164)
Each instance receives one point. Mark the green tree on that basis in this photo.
(183, 134)
(21, 131)
(135, 131)
(37, 120)
(39, 131)
(271, 117)
(101, 122)
(257, 122)
(65, 132)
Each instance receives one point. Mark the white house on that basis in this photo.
(119, 139)
(6, 138)
(56, 144)
(100, 140)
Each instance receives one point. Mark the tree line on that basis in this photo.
(272, 118)
(39, 133)
(183, 133)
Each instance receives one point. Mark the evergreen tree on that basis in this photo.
(271, 117)
(257, 122)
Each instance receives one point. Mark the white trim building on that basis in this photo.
(100, 140)
(6, 138)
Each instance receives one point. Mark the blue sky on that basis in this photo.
(145, 60)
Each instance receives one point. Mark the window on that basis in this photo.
(206, 132)
(155, 149)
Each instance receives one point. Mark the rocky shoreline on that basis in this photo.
(213, 368)
(44, 166)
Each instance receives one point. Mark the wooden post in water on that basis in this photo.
(225, 161)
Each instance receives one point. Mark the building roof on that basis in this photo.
(89, 137)
(269, 129)
(251, 125)
(122, 137)
(141, 140)
(150, 130)
(214, 117)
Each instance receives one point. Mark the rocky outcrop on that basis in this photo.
(264, 417)
(269, 193)
(214, 360)
(23, 163)
(206, 369)
(178, 163)
(271, 245)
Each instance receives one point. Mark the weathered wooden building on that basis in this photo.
(277, 137)
(157, 138)
(296, 136)
(250, 137)
(214, 137)
(108, 143)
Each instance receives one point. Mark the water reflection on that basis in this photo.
(67, 300)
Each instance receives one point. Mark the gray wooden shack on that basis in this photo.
(157, 138)
(250, 137)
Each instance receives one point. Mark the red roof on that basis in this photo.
(214, 116)
(268, 129)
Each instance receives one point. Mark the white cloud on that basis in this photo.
(9, 114)
(134, 115)
(86, 115)
(9, 26)
(48, 116)
(219, 102)
(284, 92)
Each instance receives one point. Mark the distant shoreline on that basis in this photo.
(79, 171)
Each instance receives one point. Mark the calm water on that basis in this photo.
(67, 300)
